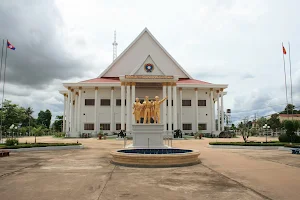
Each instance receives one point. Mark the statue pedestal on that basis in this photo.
(148, 136)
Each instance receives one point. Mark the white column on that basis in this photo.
(79, 109)
(132, 102)
(164, 114)
(175, 106)
(212, 108)
(214, 116)
(95, 111)
(128, 106)
(196, 108)
(222, 110)
(218, 110)
(71, 111)
(169, 108)
(112, 110)
(180, 103)
(64, 116)
(75, 112)
(68, 111)
(122, 106)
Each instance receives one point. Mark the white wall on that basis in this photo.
(188, 112)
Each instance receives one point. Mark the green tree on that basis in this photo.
(28, 117)
(244, 128)
(290, 108)
(11, 114)
(261, 122)
(58, 123)
(290, 128)
(274, 122)
(44, 118)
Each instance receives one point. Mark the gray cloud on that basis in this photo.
(34, 28)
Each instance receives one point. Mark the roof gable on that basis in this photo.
(132, 57)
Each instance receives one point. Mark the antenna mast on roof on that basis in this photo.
(115, 45)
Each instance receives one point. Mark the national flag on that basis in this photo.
(10, 46)
(283, 49)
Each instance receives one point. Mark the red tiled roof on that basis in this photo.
(102, 80)
(116, 80)
(191, 81)
(289, 115)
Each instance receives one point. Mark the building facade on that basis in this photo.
(145, 68)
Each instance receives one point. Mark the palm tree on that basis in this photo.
(28, 113)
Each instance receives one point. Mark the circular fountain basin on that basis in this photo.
(155, 157)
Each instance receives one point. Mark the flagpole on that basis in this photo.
(286, 96)
(3, 81)
(291, 79)
(2, 102)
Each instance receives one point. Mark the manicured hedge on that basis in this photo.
(292, 138)
(248, 143)
(23, 145)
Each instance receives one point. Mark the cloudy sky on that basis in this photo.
(219, 41)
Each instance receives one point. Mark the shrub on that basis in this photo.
(59, 134)
(11, 142)
(291, 138)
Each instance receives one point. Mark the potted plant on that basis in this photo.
(100, 134)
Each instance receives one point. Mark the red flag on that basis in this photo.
(283, 49)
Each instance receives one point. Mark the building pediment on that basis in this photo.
(145, 48)
(148, 67)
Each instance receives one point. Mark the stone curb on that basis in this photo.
(285, 149)
(46, 148)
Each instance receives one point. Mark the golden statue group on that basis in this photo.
(147, 110)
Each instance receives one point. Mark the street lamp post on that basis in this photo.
(266, 127)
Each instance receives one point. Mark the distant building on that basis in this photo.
(283, 117)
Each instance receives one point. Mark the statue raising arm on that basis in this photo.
(163, 100)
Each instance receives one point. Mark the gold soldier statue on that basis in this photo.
(137, 108)
(156, 105)
(147, 105)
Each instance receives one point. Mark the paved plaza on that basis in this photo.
(88, 175)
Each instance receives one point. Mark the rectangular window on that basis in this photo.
(89, 127)
(118, 102)
(105, 102)
(187, 127)
(202, 126)
(118, 127)
(168, 102)
(186, 102)
(105, 127)
(89, 102)
(201, 102)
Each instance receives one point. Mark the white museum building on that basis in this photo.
(144, 68)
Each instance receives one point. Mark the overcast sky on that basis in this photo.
(219, 41)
